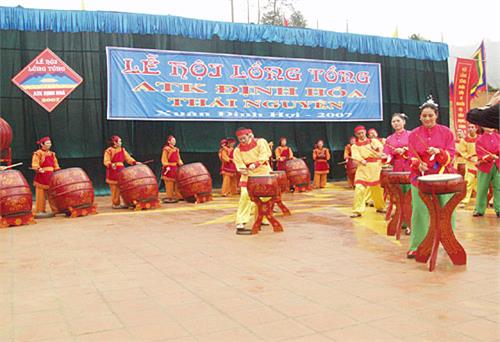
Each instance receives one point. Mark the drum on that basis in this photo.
(398, 177)
(282, 180)
(15, 194)
(263, 186)
(138, 185)
(383, 174)
(298, 173)
(70, 188)
(194, 182)
(440, 184)
(5, 135)
(461, 169)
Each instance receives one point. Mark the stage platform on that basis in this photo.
(181, 273)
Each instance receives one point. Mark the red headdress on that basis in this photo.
(243, 131)
(359, 128)
(43, 140)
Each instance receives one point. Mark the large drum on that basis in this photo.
(282, 180)
(71, 192)
(15, 199)
(5, 141)
(298, 174)
(5, 135)
(384, 173)
(264, 191)
(138, 186)
(440, 229)
(440, 184)
(263, 186)
(194, 183)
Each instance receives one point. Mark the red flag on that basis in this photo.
(285, 22)
(466, 77)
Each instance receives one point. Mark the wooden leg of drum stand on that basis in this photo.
(283, 207)
(21, 220)
(450, 243)
(203, 197)
(394, 225)
(407, 207)
(77, 212)
(265, 209)
(440, 230)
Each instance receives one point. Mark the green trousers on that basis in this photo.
(420, 218)
(483, 183)
(405, 188)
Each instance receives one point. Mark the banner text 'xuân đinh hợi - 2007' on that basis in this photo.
(174, 85)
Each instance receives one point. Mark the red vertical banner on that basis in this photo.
(465, 78)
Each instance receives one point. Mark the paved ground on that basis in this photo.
(180, 273)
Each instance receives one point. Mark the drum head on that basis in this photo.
(440, 178)
(399, 173)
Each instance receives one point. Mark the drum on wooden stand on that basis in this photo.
(284, 187)
(5, 141)
(387, 194)
(71, 192)
(194, 183)
(402, 201)
(264, 191)
(16, 201)
(298, 174)
(139, 187)
(440, 228)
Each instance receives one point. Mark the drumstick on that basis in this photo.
(344, 162)
(13, 165)
(148, 161)
(486, 151)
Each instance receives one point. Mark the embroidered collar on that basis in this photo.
(247, 147)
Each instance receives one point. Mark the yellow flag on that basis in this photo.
(82, 5)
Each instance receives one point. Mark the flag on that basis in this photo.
(466, 76)
(285, 22)
(395, 34)
(480, 57)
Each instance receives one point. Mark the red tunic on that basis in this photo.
(321, 157)
(281, 164)
(173, 160)
(487, 142)
(49, 164)
(118, 159)
(400, 162)
(420, 139)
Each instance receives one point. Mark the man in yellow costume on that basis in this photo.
(367, 153)
(251, 158)
(467, 149)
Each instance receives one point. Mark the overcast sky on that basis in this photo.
(456, 23)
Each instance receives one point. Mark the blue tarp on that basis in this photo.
(23, 19)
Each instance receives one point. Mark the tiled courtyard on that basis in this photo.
(180, 273)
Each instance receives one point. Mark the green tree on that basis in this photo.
(275, 14)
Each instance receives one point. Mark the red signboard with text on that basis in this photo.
(47, 80)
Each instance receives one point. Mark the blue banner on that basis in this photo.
(172, 85)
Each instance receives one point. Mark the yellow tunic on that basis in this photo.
(369, 174)
(467, 148)
(460, 149)
(256, 152)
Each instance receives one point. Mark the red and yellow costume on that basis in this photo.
(367, 179)
(257, 153)
(44, 162)
(321, 156)
(114, 161)
(467, 150)
(170, 160)
(228, 168)
(283, 154)
(373, 130)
